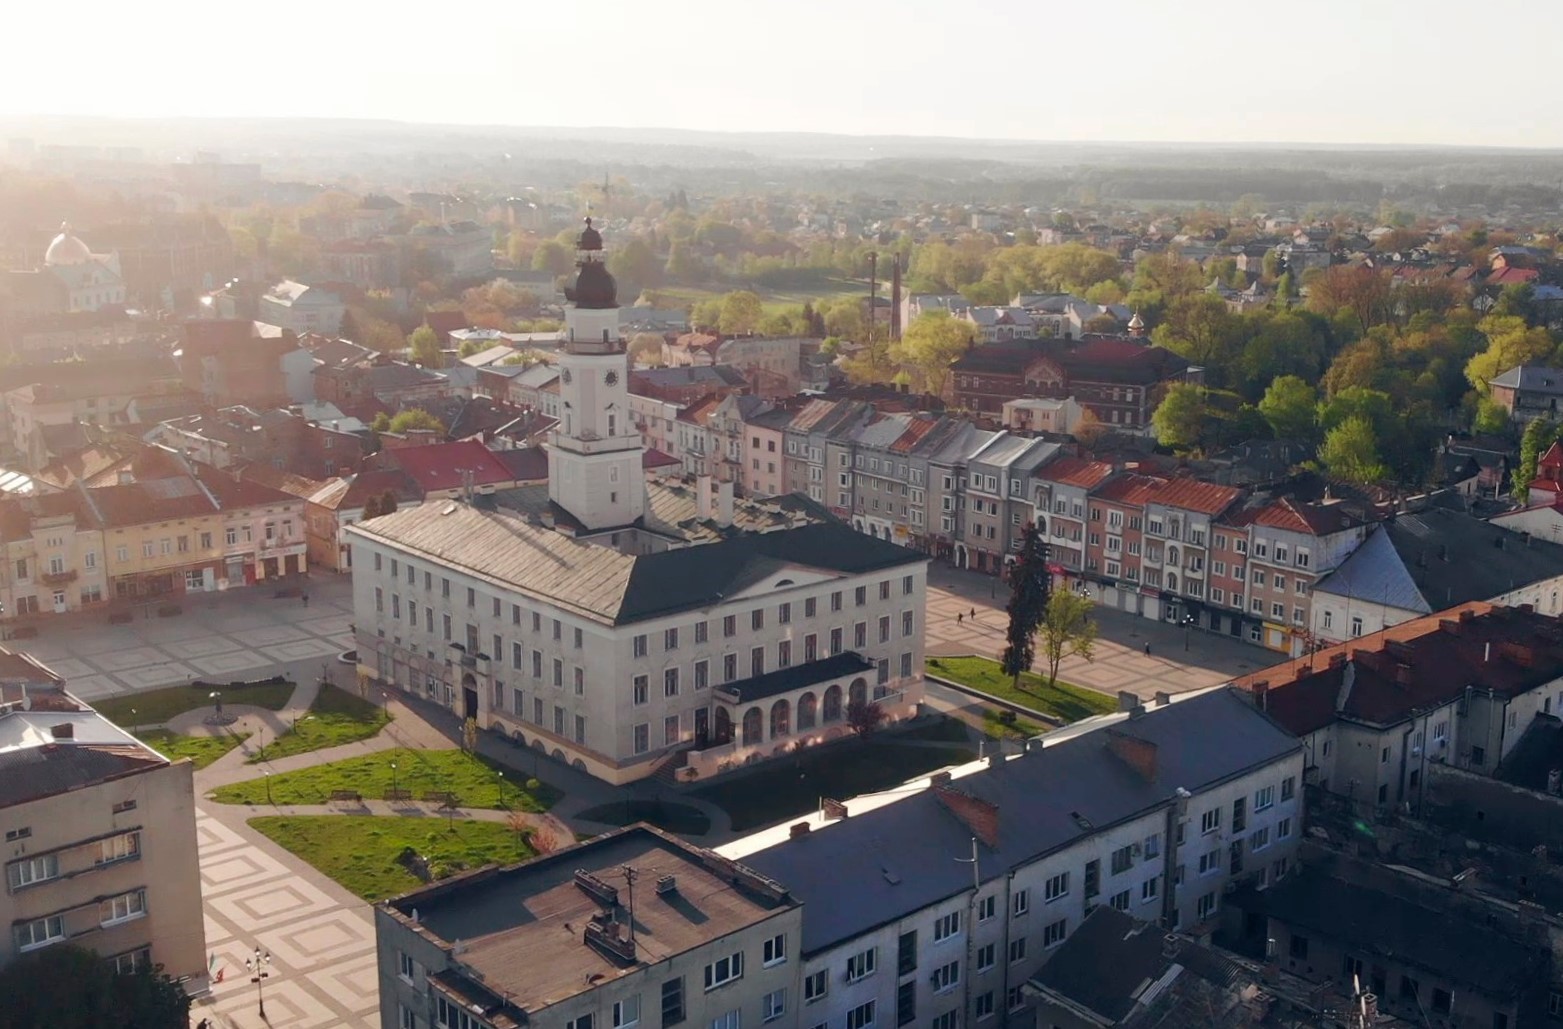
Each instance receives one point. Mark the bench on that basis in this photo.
(398, 794)
(444, 798)
(352, 796)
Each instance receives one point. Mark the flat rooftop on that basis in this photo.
(522, 929)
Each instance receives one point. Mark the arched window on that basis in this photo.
(754, 727)
(781, 719)
(808, 710)
(857, 693)
(832, 712)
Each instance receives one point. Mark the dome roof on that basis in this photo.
(594, 288)
(66, 249)
(590, 239)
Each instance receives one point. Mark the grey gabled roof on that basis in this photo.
(882, 865)
(1438, 558)
(599, 582)
(1532, 379)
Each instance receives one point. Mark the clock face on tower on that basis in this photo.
(612, 378)
(565, 375)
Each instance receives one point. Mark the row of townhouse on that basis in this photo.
(197, 530)
(1216, 557)
(1203, 554)
(931, 906)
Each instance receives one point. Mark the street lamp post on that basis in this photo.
(394, 791)
(216, 695)
(268, 788)
(501, 790)
(258, 966)
(1188, 622)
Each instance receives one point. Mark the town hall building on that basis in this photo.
(592, 628)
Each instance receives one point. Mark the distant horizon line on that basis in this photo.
(13, 122)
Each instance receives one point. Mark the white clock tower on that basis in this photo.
(594, 461)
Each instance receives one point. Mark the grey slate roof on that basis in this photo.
(1439, 558)
(1532, 379)
(880, 866)
(600, 583)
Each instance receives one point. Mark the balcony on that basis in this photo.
(58, 578)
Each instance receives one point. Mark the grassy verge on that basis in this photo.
(1062, 700)
(154, 707)
(201, 750)
(787, 787)
(361, 852)
(996, 728)
(474, 781)
(336, 717)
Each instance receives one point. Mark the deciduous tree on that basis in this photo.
(1067, 629)
(1350, 452)
(424, 343)
(1510, 342)
(1290, 406)
(553, 257)
(1179, 420)
(741, 313)
(933, 342)
(415, 418)
(70, 987)
(864, 717)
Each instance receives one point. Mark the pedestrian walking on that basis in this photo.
(974, 614)
(959, 615)
(1147, 649)
(306, 599)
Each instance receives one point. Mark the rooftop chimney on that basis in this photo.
(1127, 701)
(63, 731)
(797, 829)
(1261, 692)
(979, 816)
(1138, 754)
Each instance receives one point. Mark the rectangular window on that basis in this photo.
(860, 1017)
(1123, 860)
(1054, 934)
(1283, 829)
(1149, 889)
(730, 625)
(724, 970)
(1119, 901)
(862, 964)
(122, 847)
(773, 1005)
(1020, 902)
(1210, 821)
(40, 932)
(1207, 906)
(1209, 862)
(1260, 839)
(1093, 879)
(985, 957)
(642, 743)
(122, 908)
(673, 1001)
(906, 1003)
(1289, 787)
(815, 986)
(670, 639)
(774, 951)
(1264, 798)
(946, 977)
(946, 926)
(1017, 949)
(670, 682)
(625, 1012)
(1054, 888)
(985, 908)
(28, 871)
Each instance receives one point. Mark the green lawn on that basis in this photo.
(154, 707)
(1062, 700)
(201, 750)
(995, 728)
(773, 301)
(787, 787)
(474, 780)
(361, 851)
(336, 717)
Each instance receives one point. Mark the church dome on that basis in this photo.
(66, 249)
(590, 238)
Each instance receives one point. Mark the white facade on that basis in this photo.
(615, 699)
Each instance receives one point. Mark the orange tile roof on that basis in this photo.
(1130, 490)
(1075, 471)
(1193, 495)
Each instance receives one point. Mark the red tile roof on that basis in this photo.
(1193, 495)
(1130, 490)
(1314, 519)
(1422, 663)
(1074, 471)
(652, 458)
(1512, 275)
(438, 466)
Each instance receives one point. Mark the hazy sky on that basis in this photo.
(1368, 71)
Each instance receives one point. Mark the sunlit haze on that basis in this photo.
(1333, 71)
